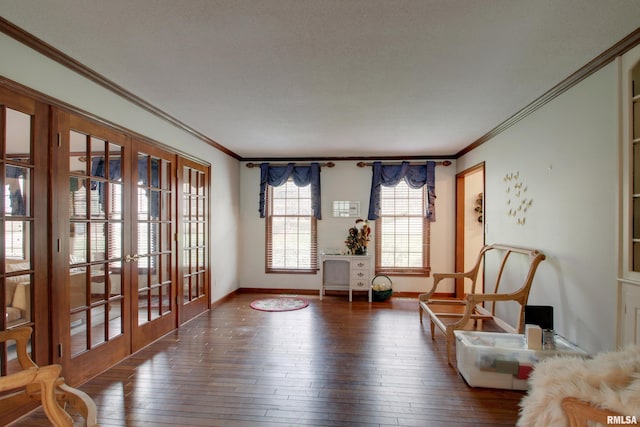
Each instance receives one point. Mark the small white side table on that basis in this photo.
(346, 272)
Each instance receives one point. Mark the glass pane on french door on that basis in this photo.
(17, 273)
(154, 238)
(95, 241)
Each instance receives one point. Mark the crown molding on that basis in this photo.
(346, 158)
(596, 64)
(54, 54)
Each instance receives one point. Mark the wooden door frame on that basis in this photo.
(460, 220)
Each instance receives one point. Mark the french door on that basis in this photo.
(114, 237)
(193, 194)
(23, 211)
(152, 261)
(91, 286)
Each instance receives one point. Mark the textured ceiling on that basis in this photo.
(332, 78)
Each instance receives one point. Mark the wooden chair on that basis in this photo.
(43, 383)
(579, 413)
(455, 314)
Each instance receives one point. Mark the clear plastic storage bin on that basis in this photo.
(500, 360)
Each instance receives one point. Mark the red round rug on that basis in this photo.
(279, 304)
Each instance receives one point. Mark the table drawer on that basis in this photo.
(360, 275)
(359, 284)
(361, 264)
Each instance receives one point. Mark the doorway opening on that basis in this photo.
(470, 224)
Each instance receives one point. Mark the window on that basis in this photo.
(291, 230)
(402, 231)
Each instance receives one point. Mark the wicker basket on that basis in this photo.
(381, 288)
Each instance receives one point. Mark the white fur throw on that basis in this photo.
(609, 380)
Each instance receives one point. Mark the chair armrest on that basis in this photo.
(579, 412)
(438, 277)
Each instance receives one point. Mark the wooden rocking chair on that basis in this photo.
(43, 383)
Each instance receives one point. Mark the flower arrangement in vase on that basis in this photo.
(358, 237)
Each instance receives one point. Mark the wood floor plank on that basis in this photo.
(333, 363)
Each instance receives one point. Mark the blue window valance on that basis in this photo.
(99, 164)
(301, 175)
(416, 176)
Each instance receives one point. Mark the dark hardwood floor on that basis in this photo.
(333, 363)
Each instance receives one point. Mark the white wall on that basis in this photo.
(345, 181)
(38, 72)
(566, 154)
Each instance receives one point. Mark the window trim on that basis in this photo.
(425, 270)
(313, 269)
